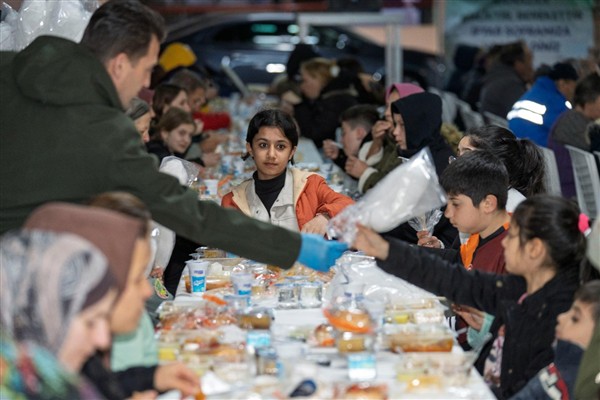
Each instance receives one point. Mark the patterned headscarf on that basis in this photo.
(46, 279)
(113, 233)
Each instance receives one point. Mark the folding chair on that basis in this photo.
(472, 119)
(552, 178)
(587, 180)
(448, 104)
(494, 119)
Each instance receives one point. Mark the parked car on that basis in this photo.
(258, 46)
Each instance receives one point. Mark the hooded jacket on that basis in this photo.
(422, 115)
(556, 380)
(311, 196)
(65, 137)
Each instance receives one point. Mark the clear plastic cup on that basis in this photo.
(197, 270)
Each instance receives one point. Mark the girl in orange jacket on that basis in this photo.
(287, 197)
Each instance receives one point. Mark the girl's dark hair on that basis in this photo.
(173, 118)
(555, 221)
(521, 157)
(272, 118)
(164, 94)
(127, 204)
(589, 293)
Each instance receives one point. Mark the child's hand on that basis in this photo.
(211, 159)
(380, 128)
(371, 243)
(316, 225)
(146, 395)
(176, 376)
(472, 316)
(355, 167)
(330, 149)
(428, 241)
(199, 127)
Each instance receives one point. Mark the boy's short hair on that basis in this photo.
(590, 294)
(364, 115)
(477, 174)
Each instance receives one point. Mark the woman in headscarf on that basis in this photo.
(56, 292)
(417, 121)
(124, 238)
(367, 166)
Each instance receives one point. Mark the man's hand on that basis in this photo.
(318, 253)
(176, 376)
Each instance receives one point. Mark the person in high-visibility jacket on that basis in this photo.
(533, 115)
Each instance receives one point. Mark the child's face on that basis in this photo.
(197, 99)
(465, 145)
(351, 138)
(179, 139)
(463, 215)
(311, 85)
(271, 151)
(180, 101)
(143, 125)
(577, 324)
(399, 132)
(513, 251)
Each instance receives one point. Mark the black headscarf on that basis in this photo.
(422, 115)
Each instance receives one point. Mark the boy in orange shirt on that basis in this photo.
(477, 187)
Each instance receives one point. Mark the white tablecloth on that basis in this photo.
(285, 319)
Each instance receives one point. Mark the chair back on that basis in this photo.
(494, 119)
(448, 104)
(472, 119)
(552, 178)
(587, 180)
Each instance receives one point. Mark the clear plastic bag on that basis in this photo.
(356, 268)
(409, 190)
(8, 28)
(426, 222)
(64, 18)
(185, 171)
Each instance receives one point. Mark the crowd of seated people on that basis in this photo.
(514, 261)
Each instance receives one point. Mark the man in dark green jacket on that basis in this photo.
(64, 137)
